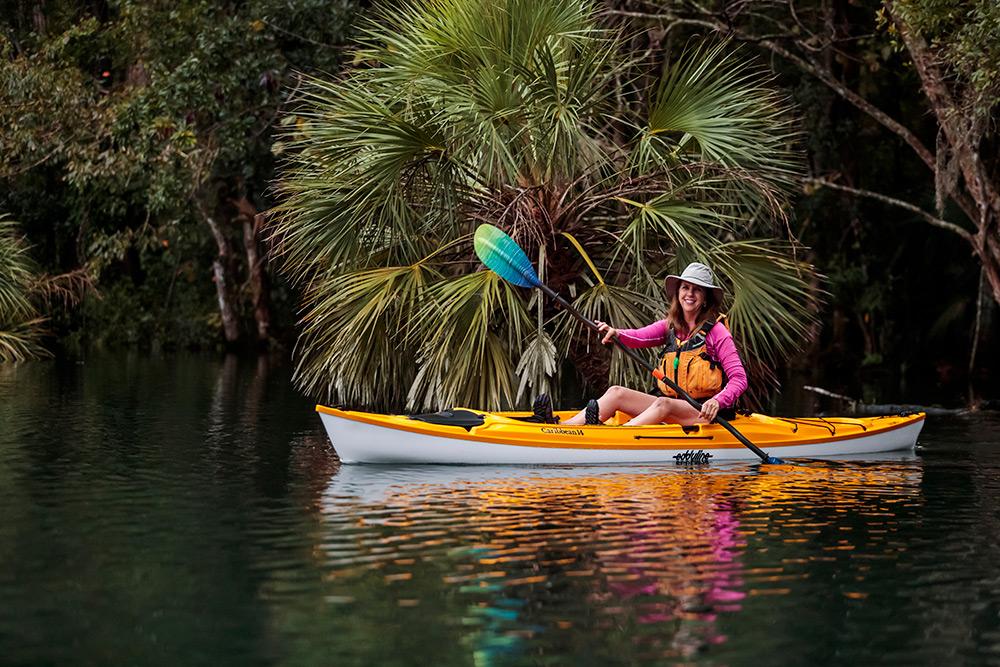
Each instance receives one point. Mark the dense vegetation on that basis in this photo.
(138, 154)
(530, 116)
(902, 207)
(137, 148)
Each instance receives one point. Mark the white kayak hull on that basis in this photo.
(359, 441)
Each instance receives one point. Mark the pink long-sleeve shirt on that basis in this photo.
(718, 344)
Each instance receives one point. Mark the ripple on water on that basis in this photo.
(540, 558)
(182, 511)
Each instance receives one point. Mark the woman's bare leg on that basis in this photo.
(666, 410)
(616, 398)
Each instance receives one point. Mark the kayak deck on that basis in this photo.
(478, 437)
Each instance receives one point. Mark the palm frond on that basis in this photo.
(19, 341)
(366, 177)
(64, 289)
(537, 367)
(353, 347)
(20, 322)
(466, 349)
(621, 307)
(669, 222)
(539, 362)
(724, 107)
(713, 105)
(463, 111)
(16, 272)
(773, 304)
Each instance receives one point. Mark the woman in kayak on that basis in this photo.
(700, 357)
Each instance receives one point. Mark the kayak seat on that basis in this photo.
(464, 418)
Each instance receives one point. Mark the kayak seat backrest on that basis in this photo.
(463, 418)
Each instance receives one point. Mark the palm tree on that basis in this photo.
(531, 116)
(20, 322)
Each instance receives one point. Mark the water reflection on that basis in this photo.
(147, 502)
(189, 509)
(655, 558)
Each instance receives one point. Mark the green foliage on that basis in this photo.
(511, 112)
(356, 328)
(168, 303)
(20, 321)
(119, 118)
(966, 36)
(898, 287)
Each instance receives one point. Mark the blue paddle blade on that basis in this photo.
(504, 257)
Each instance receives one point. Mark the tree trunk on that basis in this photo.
(963, 136)
(220, 271)
(259, 284)
(38, 18)
(989, 256)
(256, 268)
(230, 326)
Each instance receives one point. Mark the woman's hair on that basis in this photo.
(675, 314)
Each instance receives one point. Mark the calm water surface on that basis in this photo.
(189, 510)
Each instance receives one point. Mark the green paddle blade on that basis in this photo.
(504, 257)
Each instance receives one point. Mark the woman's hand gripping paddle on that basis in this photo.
(504, 257)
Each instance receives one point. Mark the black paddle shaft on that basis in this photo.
(658, 374)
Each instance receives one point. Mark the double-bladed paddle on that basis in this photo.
(503, 256)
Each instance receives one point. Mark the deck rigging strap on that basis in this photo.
(463, 418)
(808, 421)
(829, 424)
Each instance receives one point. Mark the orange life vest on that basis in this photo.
(687, 363)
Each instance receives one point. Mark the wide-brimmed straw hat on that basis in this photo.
(695, 273)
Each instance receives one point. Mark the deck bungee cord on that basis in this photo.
(827, 424)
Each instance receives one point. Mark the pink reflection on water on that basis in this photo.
(688, 565)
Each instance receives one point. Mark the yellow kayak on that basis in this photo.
(465, 436)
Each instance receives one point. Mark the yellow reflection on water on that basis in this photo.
(539, 553)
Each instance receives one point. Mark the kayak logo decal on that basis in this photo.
(563, 431)
(692, 457)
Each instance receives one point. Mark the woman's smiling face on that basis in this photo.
(691, 296)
